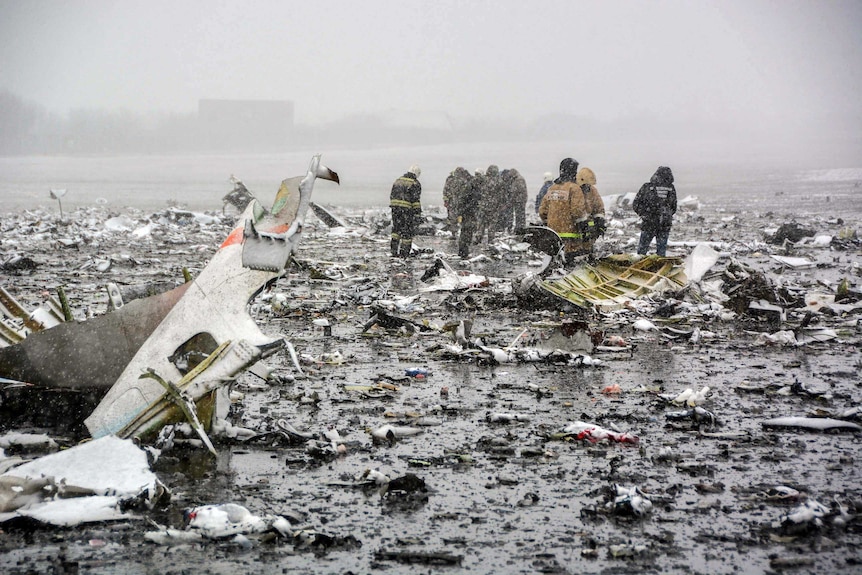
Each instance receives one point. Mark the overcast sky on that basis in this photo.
(750, 61)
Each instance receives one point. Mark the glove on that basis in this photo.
(600, 227)
(583, 228)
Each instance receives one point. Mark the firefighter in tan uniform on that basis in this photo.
(574, 209)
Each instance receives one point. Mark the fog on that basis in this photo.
(772, 79)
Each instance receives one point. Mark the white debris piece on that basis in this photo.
(809, 512)
(764, 305)
(40, 440)
(107, 466)
(815, 423)
(71, 512)
(818, 241)
(688, 204)
(644, 325)
(216, 521)
(373, 476)
(386, 431)
(784, 337)
(110, 468)
(120, 224)
(631, 497)
(691, 398)
(699, 261)
(796, 263)
(811, 335)
(144, 231)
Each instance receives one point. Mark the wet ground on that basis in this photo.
(499, 497)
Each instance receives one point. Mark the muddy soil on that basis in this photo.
(499, 497)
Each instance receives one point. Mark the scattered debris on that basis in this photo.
(207, 315)
(448, 368)
(594, 433)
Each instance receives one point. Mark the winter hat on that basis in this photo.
(568, 170)
(415, 170)
(665, 175)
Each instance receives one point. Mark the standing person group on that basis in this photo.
(404, 201)
(573, 208)
(494, 201)
(503, 202)
(488, 202)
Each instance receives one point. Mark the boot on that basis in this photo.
(393, 247)
(405, 249)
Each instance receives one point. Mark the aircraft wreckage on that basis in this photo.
(612, 281)
(609, 283)
(160, 359)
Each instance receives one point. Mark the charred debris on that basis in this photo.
(144, 333)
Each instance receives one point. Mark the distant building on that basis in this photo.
(245, 124)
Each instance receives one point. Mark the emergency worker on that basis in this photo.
(479, 186)
(404, 201)
(490, 203)
(450, 187)
(655, 203)
(592, 223)
(573, 208)
(515, 201)
(467, 203)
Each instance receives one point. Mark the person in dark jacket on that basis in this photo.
(655, 203)
(514, 203)
(467, 203)
(547, 183)
(453, 186)
(490, 203)
(404, 201)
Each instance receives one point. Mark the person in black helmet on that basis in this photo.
(406, 211)
(655, 203)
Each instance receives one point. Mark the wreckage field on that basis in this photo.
(692, 414)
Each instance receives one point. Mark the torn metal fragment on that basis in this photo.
(615, 280)
(215, 303)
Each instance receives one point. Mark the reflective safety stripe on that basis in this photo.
(396, 236)
(417, 205)
(400, 204)
(571, 236)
